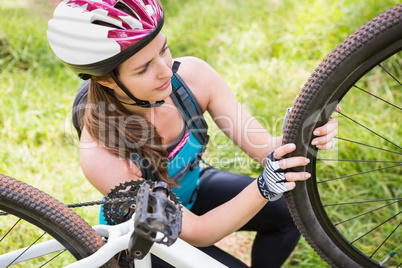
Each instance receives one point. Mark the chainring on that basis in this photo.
(115, 213)
(119, 212)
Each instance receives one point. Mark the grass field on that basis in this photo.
(265, 50)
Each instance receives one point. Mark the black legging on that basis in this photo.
(276, 235)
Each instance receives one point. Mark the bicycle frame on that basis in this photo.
(180, 254)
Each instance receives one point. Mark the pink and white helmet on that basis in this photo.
(92, 37)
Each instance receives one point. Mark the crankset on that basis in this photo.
(157, 214)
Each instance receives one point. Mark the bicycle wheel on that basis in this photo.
(349, 210)
(50, 215)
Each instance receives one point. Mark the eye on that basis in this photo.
(143, 70)
(164, 49)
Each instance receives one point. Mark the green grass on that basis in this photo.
(265, 50)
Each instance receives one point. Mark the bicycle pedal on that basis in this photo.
(157, 219)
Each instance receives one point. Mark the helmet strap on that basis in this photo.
(137, 102)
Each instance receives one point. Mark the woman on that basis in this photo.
(143, 119)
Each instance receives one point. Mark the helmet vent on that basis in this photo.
(123, 7)
(106, 24)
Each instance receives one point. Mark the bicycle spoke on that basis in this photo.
(364, 172)
(354, 121)
(15, 224)
(360, 215)
(27, 249)
(356, 160)
(371, 94)
(360, 237)
(393, 231)
(363, 202)
(53, 258)
(390, 74)
(363, 144)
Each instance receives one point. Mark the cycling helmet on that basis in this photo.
(93, 37)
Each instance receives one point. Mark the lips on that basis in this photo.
(165, 85)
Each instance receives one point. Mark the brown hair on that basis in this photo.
(121, 133)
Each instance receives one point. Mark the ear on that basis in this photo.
(108, 83)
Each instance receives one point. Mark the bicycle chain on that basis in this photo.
(91, 203)
(119, 204)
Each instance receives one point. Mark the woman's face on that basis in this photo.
(147, 73)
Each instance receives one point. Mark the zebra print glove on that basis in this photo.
(272, 179)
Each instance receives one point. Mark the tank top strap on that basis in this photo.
(188, 106)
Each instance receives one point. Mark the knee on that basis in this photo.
(292, 232)
(289, 227)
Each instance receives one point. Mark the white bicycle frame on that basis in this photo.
(180, 254)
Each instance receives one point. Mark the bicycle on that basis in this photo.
(319, 218)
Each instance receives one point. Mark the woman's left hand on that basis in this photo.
(326, 133)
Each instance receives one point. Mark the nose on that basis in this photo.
(164, 68)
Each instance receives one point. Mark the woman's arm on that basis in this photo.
(212, 226)
(233, 119)
(205, 230)
(237, 123)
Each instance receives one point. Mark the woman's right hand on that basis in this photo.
(273, 181)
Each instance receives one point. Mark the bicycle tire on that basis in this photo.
(52, 216)
(375, 41)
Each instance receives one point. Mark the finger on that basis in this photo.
(283, 150)
(338, 108)
(290, 185)
(327, 128)
(297, 176)
(322, 140)
(296, 161)
(327, 146)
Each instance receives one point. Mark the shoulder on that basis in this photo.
(200, 77)
(194, 70)
(192, 62)
(103, 169)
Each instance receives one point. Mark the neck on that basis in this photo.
(141, 111)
